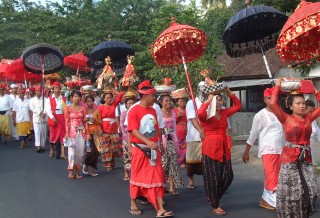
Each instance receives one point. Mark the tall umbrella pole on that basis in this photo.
(42, 66)
(266, 63)
(189, 82)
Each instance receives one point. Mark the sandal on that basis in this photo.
(190, 186)
(174, 193)
(144, 202)
(70, 175)
(94, 174)
(165, 214)
(85, 169)
(136, 212)
(219, 212)
(126, 178)
(78, 177)
(108, 169)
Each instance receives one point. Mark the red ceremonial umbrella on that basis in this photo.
(16, 72)
(179, 44)
(77, 62)
(27, 77)
(299, 38)
(3, 66)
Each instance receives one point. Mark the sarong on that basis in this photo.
(40, 134)
(170, 164)
(182, 153)
(5, 125)
(217, 177)
(92, 157)
(125, 156)
(109, 145)
(181, 135)
(271, 164)
(147, 181)
(58, 131)
(13, 129)
(291, 197)
(76, 152)
(23, 128)
(193, 158)
(194, 152)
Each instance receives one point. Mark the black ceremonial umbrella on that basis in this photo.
(42, 59)
(117, 50)
(253, 30)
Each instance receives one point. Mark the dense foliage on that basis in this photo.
(76, 25)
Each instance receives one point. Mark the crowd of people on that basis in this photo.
(156, 136)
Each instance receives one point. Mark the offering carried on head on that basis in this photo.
(166, 88)
(211, 86)
(290, 84)
(180, 93)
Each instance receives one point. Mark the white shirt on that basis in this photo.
(13, 98)
(267, 128)
(36, 106)
(193, 134)
(315, 135)
(5, 103)
(97, 100)
(158, 111)
(48, 108)
(122, 109)
(22, 110)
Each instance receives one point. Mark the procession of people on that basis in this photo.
(161, 133)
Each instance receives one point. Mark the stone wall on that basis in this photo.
(241, 125)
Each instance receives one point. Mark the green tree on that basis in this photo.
(213, 3)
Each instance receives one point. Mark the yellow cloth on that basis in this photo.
(23, 128)
(5, 125)
(194, 152)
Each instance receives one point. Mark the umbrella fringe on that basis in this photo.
(246, 50)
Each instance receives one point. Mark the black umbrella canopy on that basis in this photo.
(248, 26)
(35, 56)
(117, 50)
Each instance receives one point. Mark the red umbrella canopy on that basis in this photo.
(77, 61)
(177, 41)
(4, 64)
(299, 38)
(15, 69)
(29, 77)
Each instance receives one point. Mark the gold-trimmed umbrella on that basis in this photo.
(179, 44)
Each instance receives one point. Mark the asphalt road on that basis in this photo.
(36, 186)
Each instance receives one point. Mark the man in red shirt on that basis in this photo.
(147, 176)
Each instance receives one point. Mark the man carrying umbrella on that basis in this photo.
(54, 109)
(39, 119)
